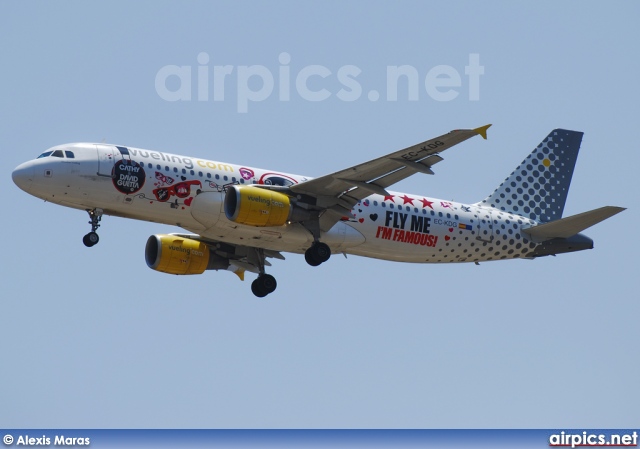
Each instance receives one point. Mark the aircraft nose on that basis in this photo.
(23, 176)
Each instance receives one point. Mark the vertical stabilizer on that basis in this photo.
(538, 188)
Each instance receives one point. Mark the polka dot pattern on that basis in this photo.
(494, 236)
(538, 188)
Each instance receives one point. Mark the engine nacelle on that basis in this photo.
(177, 255)
(254, 206)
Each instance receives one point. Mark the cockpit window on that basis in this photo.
(69, 154)
(57, 153)
(45, 154)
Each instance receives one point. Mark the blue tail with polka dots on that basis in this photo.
(538, 188)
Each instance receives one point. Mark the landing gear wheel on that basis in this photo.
(310, 258)
(263, 285)
(257, 290)
(317, 254)
(90, 239)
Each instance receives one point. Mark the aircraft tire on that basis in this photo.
(310, 257)
(256, 289)
(322, 251)
(268, 283)
(318, 253)
(90, 239)
(263, 285)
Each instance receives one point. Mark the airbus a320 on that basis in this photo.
(238, 217)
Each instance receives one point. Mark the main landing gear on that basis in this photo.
(265, 283)
(92, 238)
(318, 253)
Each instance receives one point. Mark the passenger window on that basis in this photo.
(69, 154)
(57, 153)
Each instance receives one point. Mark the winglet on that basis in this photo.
(482, 131)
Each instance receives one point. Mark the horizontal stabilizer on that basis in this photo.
(570, 226)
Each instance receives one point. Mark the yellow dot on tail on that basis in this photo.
(546, 162)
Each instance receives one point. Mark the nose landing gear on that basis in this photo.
(92, 238)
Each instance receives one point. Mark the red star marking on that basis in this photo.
(426, 203)
(406, 200)
(388, 197)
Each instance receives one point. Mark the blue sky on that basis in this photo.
(93, 338)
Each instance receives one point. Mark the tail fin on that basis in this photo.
(538, 188)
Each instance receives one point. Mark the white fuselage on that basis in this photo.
(165, 188)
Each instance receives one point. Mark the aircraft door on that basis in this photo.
(485, 225)
(106, 159)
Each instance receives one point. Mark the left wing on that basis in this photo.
(236, 258)
(337, 193)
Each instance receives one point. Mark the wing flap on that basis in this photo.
(370, 187)
(570, 226)
(424, 166)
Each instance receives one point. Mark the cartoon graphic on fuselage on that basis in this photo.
(239, 216)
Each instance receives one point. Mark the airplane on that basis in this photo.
(237, 217)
